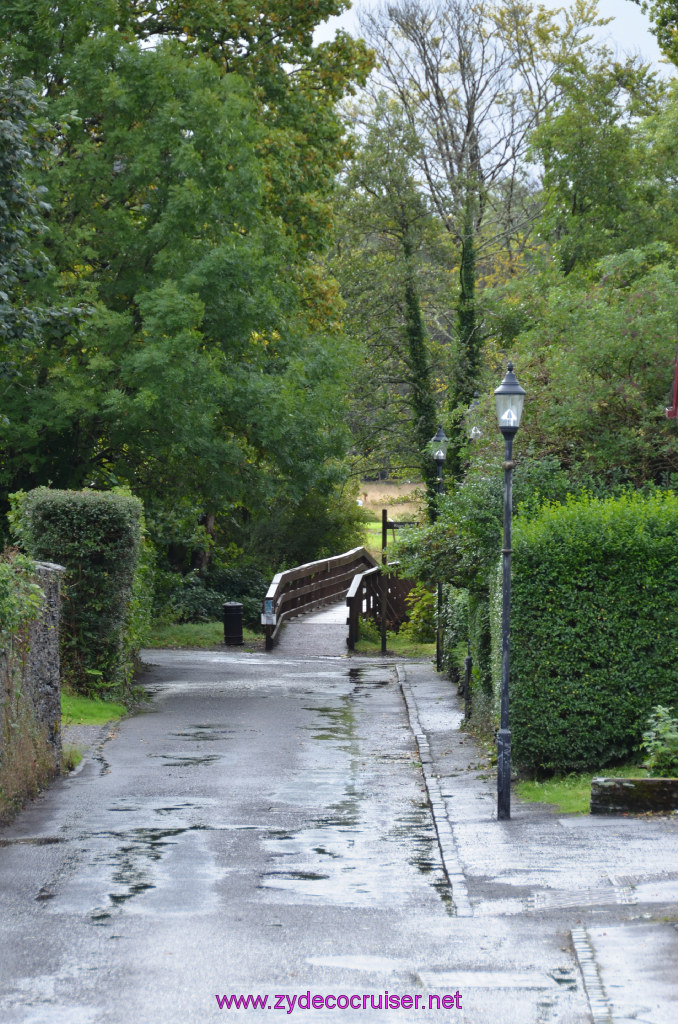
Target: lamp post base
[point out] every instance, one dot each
(504, 774)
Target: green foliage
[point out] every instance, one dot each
(664, 17)
(20, 596)
(660, 740)
(26, 757)
(594, 628)
(196, 597)
(190, 177)
(140, 612)
(422, 610)
(96, 536)
(382, 264)
(455, 628)
(396, 643)
(594, 159)
(462, 546)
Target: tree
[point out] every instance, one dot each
(194, 161)
(381, 265)
(598, 183)
(473, 80)
(24, 315)
(664, 17)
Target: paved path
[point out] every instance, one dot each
(286, 824)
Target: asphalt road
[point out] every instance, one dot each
(264, 829)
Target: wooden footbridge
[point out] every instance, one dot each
(369, 590)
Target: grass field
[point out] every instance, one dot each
(401, 500)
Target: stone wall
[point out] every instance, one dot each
(30, 701)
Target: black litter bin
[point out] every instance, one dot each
(233, 624)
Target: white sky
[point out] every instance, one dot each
(627, 33)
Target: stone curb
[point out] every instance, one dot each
(599, 1005)
(446, 841)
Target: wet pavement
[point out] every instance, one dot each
(277, 825)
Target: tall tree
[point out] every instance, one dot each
(195, 157)
(473, 81)
(599, 181)
(381, 265)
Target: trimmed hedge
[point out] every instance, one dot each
(594, 628)
(96, 535)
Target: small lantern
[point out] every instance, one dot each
(439, 445)
(510, 398)
(475, 432)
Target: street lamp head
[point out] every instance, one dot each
(439, 443)
(475, 432)
(510, 398)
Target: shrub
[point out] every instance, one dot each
(594, 626)
(660, 740)
(455, 629)
(96, 536)
(422, 609)
(194, 598)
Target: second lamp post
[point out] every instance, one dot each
(439, 443)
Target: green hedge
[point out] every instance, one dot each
(594, 628)
(96, 535)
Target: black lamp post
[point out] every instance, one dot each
(509, 397)
(439, 443)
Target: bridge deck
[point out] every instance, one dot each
(319, 634)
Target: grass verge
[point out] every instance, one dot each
(572, 793)
(370, 643)
(196, 634)
(77, 710)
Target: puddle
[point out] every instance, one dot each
(186, 760)
(205, 733)
(134, 864)
(32, 841)
(565, 976)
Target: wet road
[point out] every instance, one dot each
(268, 828)
(262, 829)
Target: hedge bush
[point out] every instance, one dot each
(96, 535)
(594, 628)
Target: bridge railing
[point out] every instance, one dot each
(365, 596)
(309, 586)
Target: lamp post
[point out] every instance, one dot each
(509, 397)
(474, 433)
(439, 443)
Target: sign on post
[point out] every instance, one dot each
(268, 614)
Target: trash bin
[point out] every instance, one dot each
(233, 624)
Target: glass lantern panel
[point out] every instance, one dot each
(509, 409)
